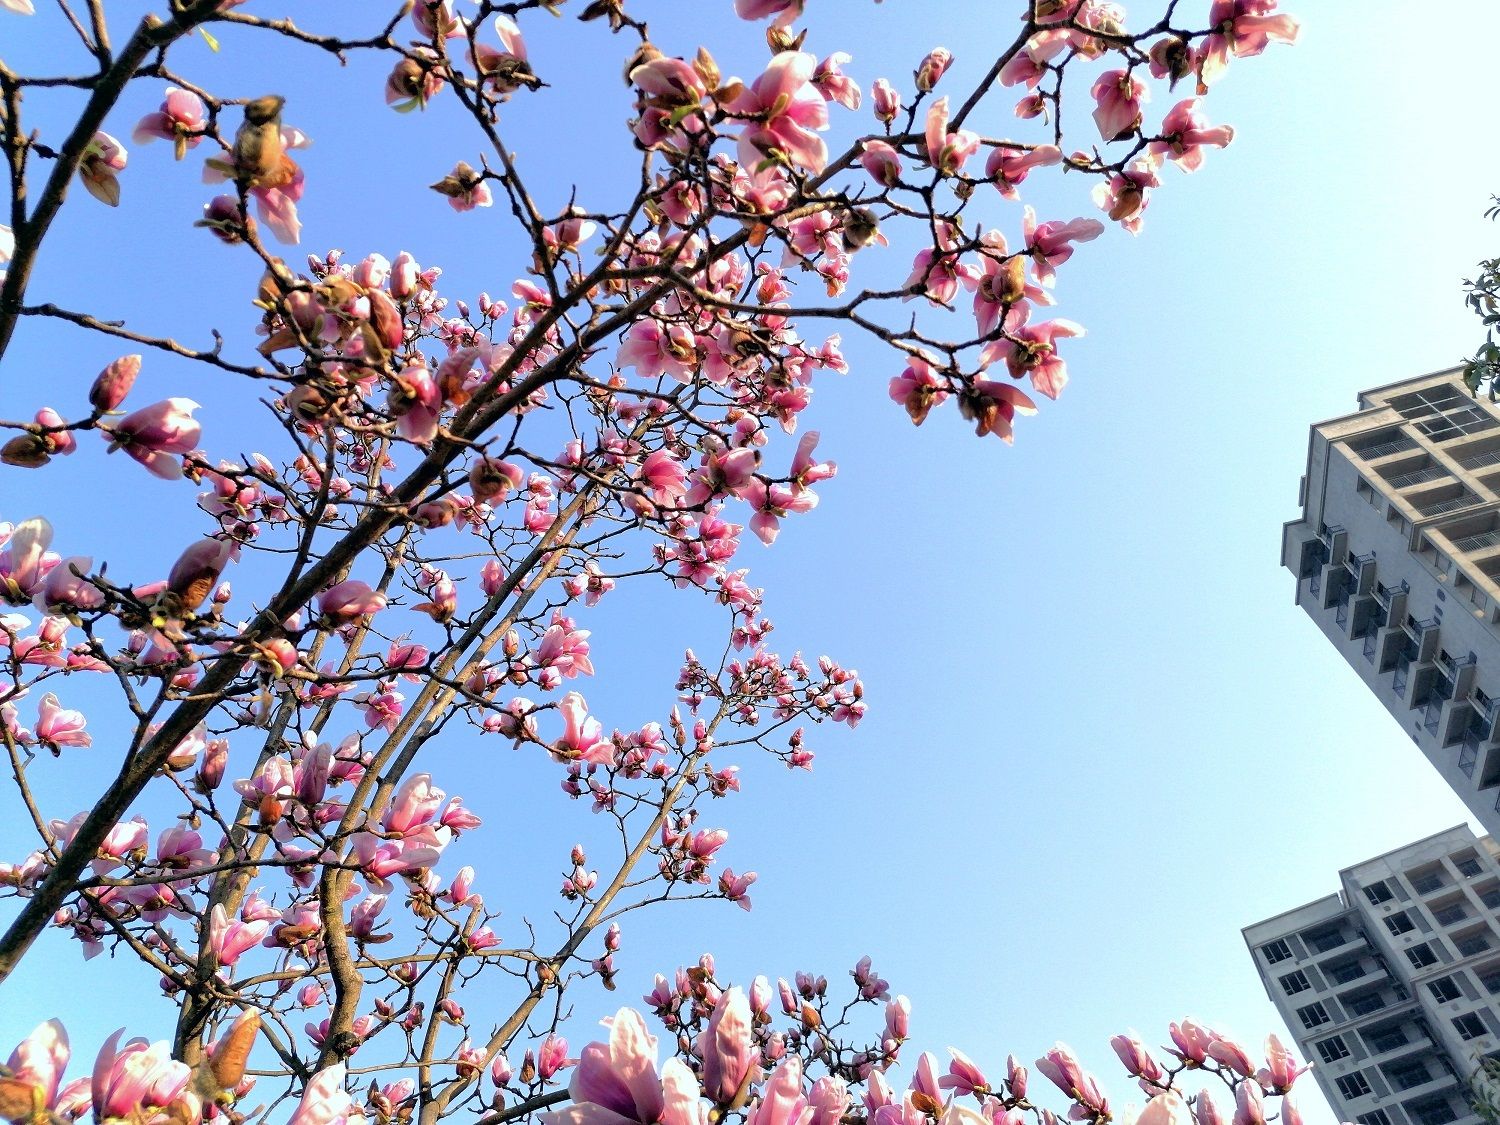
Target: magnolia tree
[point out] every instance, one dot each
(448, 488)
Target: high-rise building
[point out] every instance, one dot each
(1397, 560)
(1391, 986)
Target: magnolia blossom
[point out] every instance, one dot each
(789, 112)
(103, 160)
(157, 436)
(1242, 28)
(1185, 132)
(181, 120)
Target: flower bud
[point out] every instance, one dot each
(114, 383)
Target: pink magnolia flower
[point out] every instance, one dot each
(947, 152)
(993, 406)
(157, 435)
(56, 727)
(789, 112)
(40, 1059)
(736, 887)
(882, 162)
(1031, 349)
(1008, 166)
(1136, 1059)
(1127, 194)
(1192, 1041)
(1164, 1109)
(1185, 133)
(350, 600)
(885, 101)
(1028, 64)
(772, 502)
(25, 562)
(1242, 28)
(137, 1081)
(963, 1077)
(325, 1101)
(7, 238)
(1228, 1053)
(655, 349)
(1051, 244)
(181, 120)
(231, 940)
(918, 389)
(932, 68)
(618, 1083)
(1205, 1112)
(20, 7)
(1119, 95)
(781, 1101)
(552, 1056)
(582, 738)
(1281, 1069)
(103, 160)
(1249, 1104)
(785, 11)
(834, 84)
(728, 1049)
(415, 804)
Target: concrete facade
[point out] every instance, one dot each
(1397, 560)
(1391, 986)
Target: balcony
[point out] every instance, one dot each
(1420, 476)
(1481, 542)
(1453, 504)
(1481, 460)
(1402, 444)
(1401, 672)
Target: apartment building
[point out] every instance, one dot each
(1397, 560)
(1391, 986)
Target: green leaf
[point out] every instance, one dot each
(213, 44)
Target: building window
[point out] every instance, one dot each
(1453, 912)
(1314, 1015)
(1365, 1003)
(1490, 896)
(1435, 1112)
(1294, 983)
(1343, 974)
(1374, 1117)
(1275, 951)
(1469, 866)
(1427, 881)
(1354, 1085)
(1444, 990)
(1366, 493)
(1469, 1026)
(1386, 1039)
(1322, 941)
(1489, 979)
(1421, 956)
(1408, 1075)
(1470, 944)
(1332, 1049)
(1399, 924)
(1378, 893)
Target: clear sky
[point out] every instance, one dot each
(1101, 739)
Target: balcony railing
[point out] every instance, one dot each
(1384, 593)
(1441, 507)
(1386, 448)
(1468, 754)
(1481, 460)
(1398, 678)
(1480, 542)
(1420, 476)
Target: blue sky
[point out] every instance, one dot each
(1100, 739)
